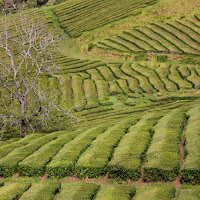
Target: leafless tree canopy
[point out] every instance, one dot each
(26, 52)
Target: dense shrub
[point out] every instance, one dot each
(162, 58)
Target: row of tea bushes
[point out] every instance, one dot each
(163, 157)
(191, 167)
(33, 189)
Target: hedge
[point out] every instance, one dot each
(4, 150)
(191, 167)
(3, 143)
(94, 160)
(13, 190)
(42, 190)
(129, 155)
(175, 76)
(35, 164)
(63, 164)
(77, 190)
(165, 192)
(113, 192)
(90, 92)
(9, 163)
(163, 157)
(189, 193)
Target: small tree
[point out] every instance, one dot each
(26, 52)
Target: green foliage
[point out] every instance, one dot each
(63, 164)
(190, 60)
(76, 17)
(42, 190)
(94, 160)
(113, 192)
(2, 143)
(35, 164)
(140, 57)
(13, 190)
(78, 190)
(31, 3)
(155, 193)
(163, 158)
(9, 163)
(162, 58)
(191, 167)
(5, 149)
(129, 154)
(91, 46)
(189, 193)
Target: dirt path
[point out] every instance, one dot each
(74, 178)
(43, 178)
(15, 176)
(140, 182)
(177, 182)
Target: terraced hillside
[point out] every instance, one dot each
(120, 147)
(79, 16)
(91, 84)
(177, 37)
(139, 132)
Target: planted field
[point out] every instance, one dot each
(191, 166)
(155, 193)
(35, 164)
(78, 190)
(9, 163)
(63, 164)
(92, 88)
(138, 136)
(163, 158)
(77, 17)
(33, 188)
(95, 159)
(129, 154)
(113, 192)
(175, 37)
(42, 190)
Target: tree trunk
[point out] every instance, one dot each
(23, 128)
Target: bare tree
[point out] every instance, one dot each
(26, 52)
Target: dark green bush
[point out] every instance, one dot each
(162, 58)
(155, 174)
(140, 56)
(190, 176)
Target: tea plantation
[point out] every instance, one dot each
(136, 82)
